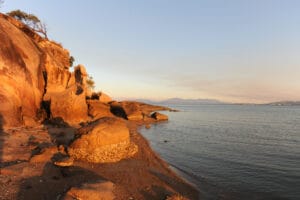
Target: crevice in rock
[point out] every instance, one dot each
(45, 76)
(46, 106)
(68, 81)
(43, 112)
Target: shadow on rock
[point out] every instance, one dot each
(55, 181)
(117, 109)
(156, 192)
(61, 132)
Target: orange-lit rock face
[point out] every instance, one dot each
(98, 109)
(35, 70)
(106, 140)
(159, 117)
(21, 78)
(69, 103)
(104, 98)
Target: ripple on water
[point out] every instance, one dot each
(234, 150)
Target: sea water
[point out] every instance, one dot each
(233, 151)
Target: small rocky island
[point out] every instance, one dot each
(60, 140)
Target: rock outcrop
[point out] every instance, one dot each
(159, 117)
(21, 75)
(105, 140)
(104, 98)
(98, 109)
(136, 111)
(127, 110)
(66, 93)
(35, 75)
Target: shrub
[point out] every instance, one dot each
(71, 60)
(90, 82)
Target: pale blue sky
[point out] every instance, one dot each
(232, 50)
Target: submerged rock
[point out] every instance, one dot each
(105, 140)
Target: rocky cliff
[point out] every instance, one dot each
(35, 78)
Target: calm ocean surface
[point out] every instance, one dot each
(233, 151)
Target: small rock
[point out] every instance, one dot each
(147, 126)
(92, 191)
(65, 162)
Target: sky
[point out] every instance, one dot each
(231, 50)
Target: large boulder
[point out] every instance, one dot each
(98, 109)
(70, 105)
(105, 140)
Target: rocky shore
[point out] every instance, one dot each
(60, 140)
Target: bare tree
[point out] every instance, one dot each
(30, 20)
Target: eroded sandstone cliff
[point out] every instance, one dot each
(35, 78)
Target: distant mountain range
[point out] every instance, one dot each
(182, 101)
(284, 103)
(190, 101)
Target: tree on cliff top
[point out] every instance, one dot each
(30, 20)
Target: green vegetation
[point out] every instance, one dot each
(30, 20)
(71, 60)
(90, 82)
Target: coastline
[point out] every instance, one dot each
(61, 140)
(143, 176)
